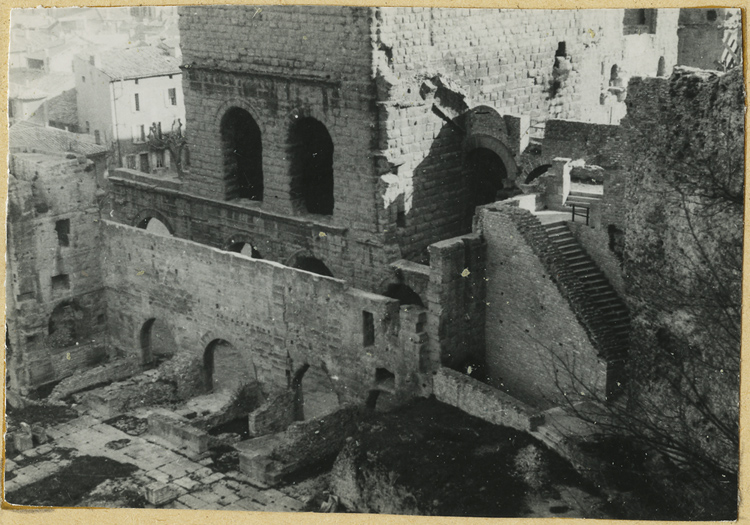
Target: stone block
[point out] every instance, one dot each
(178, 432)
(160, 493)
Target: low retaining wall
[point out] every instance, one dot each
(483, 401)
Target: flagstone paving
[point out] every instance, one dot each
(194, 484)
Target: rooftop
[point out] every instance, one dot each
(137, 62)
(26, 136)
(63, 109)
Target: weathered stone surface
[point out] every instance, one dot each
(483, 401)
(177, 431)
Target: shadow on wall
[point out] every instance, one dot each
(448, 186)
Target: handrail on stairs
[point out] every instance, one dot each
(579, 213)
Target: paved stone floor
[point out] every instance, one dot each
(197, 486)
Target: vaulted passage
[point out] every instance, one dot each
(243, 155)
(311, 170)
(485, 175)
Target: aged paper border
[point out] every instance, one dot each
(75, 516)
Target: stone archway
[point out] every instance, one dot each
(225, 367)
(157, 341)
(153, 222)
(311, 166)
(243, 155)
(244, 245)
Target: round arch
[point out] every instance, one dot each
(241, 103)
(156, 340)
(225, 367)
(241, 243)
(311, 170)
(403, 293)
(661, 68)
(305, 260)
(495, 145)
(242, 151)
(144, 217)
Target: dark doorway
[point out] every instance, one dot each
(661, 69)
(312, 265)
(311, 154)
(485, 172)
(404, 294)
(243, 155)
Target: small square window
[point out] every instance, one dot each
(61, 282)
(136, 83)
(368, 329)
(62, 227)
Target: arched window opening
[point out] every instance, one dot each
(157, 343)
(661, 69)
(243, 155)
(311, 170)
(312, 265)
(155, 226)
(404, 294)
(245, 248)
(66, 326)
(614, 76)
(224, 367)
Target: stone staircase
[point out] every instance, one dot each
(605, 316)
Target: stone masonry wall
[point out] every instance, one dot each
(469, 58)
(281, 63)
(361, 261)
(268, 311)
(45, 272)
(536, 348)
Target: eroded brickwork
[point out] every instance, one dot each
(56, 312)
(267, 311)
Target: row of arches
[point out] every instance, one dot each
(310, 152)
(154, 222)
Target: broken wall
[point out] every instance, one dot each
(433, 65)
(268, 312)
(56, 312)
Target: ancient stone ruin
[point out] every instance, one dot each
(380, 205)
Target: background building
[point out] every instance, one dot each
(121, 94)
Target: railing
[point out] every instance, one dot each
(580, 213)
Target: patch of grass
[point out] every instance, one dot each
(69, 485)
